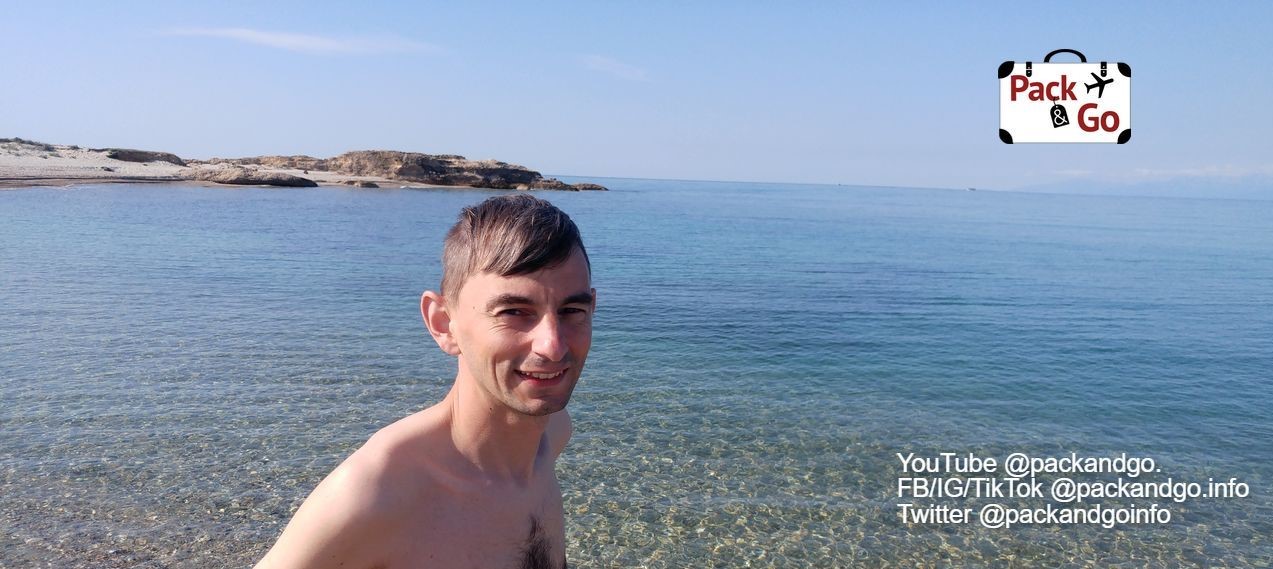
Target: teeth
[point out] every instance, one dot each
(542, 375)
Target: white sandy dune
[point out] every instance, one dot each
(32, 163)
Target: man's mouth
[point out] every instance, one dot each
(541, 376)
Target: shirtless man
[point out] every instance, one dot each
(470, 481)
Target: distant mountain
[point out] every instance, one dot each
(1251, 187)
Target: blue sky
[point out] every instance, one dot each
(801, 92)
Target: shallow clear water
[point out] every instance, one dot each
(181, 365)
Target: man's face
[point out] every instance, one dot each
(523, 339)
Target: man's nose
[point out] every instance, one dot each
(549, 341)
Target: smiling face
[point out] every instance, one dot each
(523, 339)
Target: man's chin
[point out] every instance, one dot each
(541, 408)
(541, 398)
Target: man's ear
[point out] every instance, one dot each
(436, 317)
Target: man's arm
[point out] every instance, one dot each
(559, 431)
(340, 523)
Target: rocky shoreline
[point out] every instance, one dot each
(27, 163)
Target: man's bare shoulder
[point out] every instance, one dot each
(397, 462)
(347, 519)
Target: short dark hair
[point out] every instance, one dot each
(507, 235)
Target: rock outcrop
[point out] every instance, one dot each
(436, 169)
(130, 155)
(445, 170)
(250, 177)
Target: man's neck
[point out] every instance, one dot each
(500, 443)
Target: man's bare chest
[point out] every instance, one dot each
(501, 530)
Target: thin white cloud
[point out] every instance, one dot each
(1075, 173)
(1220, 171)
(614, 67)
(1140, 175)
(308, 43)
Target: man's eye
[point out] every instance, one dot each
(573, 311)
(512, 312)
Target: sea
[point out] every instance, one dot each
(781, 375)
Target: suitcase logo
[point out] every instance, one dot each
(1065, 102)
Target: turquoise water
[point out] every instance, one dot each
(181, 365)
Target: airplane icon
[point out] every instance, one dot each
(1099, 83)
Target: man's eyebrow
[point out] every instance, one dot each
(579, 298)
(505, 300)
(513, 299)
